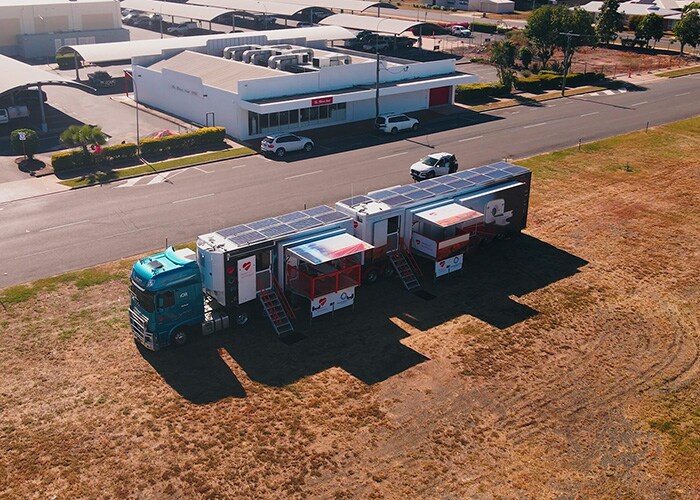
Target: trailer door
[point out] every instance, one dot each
(247, 289)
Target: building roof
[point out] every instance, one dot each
(376, 24)
(631, 9)
(264, 7)
(16, 74)
(182, 10)
(97, 53)
(215, 71)
(353, 5)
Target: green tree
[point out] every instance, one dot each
(543, 31)
(503, 56)
(687, 30)
(579, 24)
(633, 23)
(651, 26)
(77, 136)
(610, 21)
(525, 56)
(29, 146)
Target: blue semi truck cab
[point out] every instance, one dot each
(168, 304)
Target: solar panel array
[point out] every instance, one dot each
(472, 179)
(274, 227)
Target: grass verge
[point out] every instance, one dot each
(680, 72)
(537, 98)
(185, 161)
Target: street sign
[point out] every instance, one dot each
(22, 136)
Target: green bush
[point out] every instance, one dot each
(476, 91)
(29, 146)
(71, 160)
(174, 144)
(66, 61)
(483, 27)
(548, 80)
(119, 152)
(529, 84)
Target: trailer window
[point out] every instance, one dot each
(145, 299)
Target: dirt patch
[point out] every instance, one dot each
(562, 363)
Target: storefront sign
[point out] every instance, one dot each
(448, 265)
(332, 302)
(345, 298)
(321, 101)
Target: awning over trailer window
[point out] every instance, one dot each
(450, 215)
(327, 249)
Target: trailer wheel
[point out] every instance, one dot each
(180, 337)
(371, 276)
(240, 318)
(388, 271)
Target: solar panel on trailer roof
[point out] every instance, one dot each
(397, 200)
(483, 170)
(323, 209)
(499, 174)
(275, 231)
(515, 170)
(263, 223)
(232, 231)
(420, 194)
(355, 200)
(440, 188)
(290, 217)
(408, 188)
(331, 217)
(467, 174)
(459, 183)
(382, 195)
(305, 223)
(426, 183)
(480, 179)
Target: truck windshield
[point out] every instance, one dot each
(145, 299)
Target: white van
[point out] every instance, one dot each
(393, 122)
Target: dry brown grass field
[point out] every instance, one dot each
(561, 364)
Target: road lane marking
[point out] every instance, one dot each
(161, 178)
(303, 175)
(609, 92)
(514, 112)
(470, 138)
(203, 171)
(684, 93)
(129, 182)
(194, 198)
(64, 225)
(391, 156)
(640, 103)
(237, 166)
(590, 114)
(535, 125)
(622, 91)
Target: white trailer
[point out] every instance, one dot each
(439, 219)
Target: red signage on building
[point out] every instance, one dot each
(321, 101)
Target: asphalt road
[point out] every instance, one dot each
(56, 233)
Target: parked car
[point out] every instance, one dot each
(281, 144)
(305, 24)
(434, 165)
(376, 46)
(182, 28)
(101, 79)
(392, 123)
(461, 31)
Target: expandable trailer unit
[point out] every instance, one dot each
(438, 219)
(318, 257)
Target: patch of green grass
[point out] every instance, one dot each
(81, 279)
(680, 72)
(185, 161)
(537, 98)
(66, 334)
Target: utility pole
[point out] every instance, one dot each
(566, 58)
(376, 94)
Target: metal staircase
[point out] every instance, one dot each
(276, 312)
(406, 272)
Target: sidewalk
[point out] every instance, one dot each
(30, 188)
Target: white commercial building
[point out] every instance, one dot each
(254, 90)
(37, 28)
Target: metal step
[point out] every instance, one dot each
(404, 270)
(275, 312)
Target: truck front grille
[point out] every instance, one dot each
(139, 328)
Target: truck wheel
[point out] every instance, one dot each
(280, 152)
(388, 271)
(180, 337)
(240, 318)
(371, 276)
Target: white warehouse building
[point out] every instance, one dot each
(254, 90)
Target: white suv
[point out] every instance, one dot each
(392, 123)
(434, 165)
(281, 144)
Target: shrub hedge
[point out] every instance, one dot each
(483, 27)
(550, 81)
(174, 144)
(475, 91)
(164, 146)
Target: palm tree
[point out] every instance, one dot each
(77, 136)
